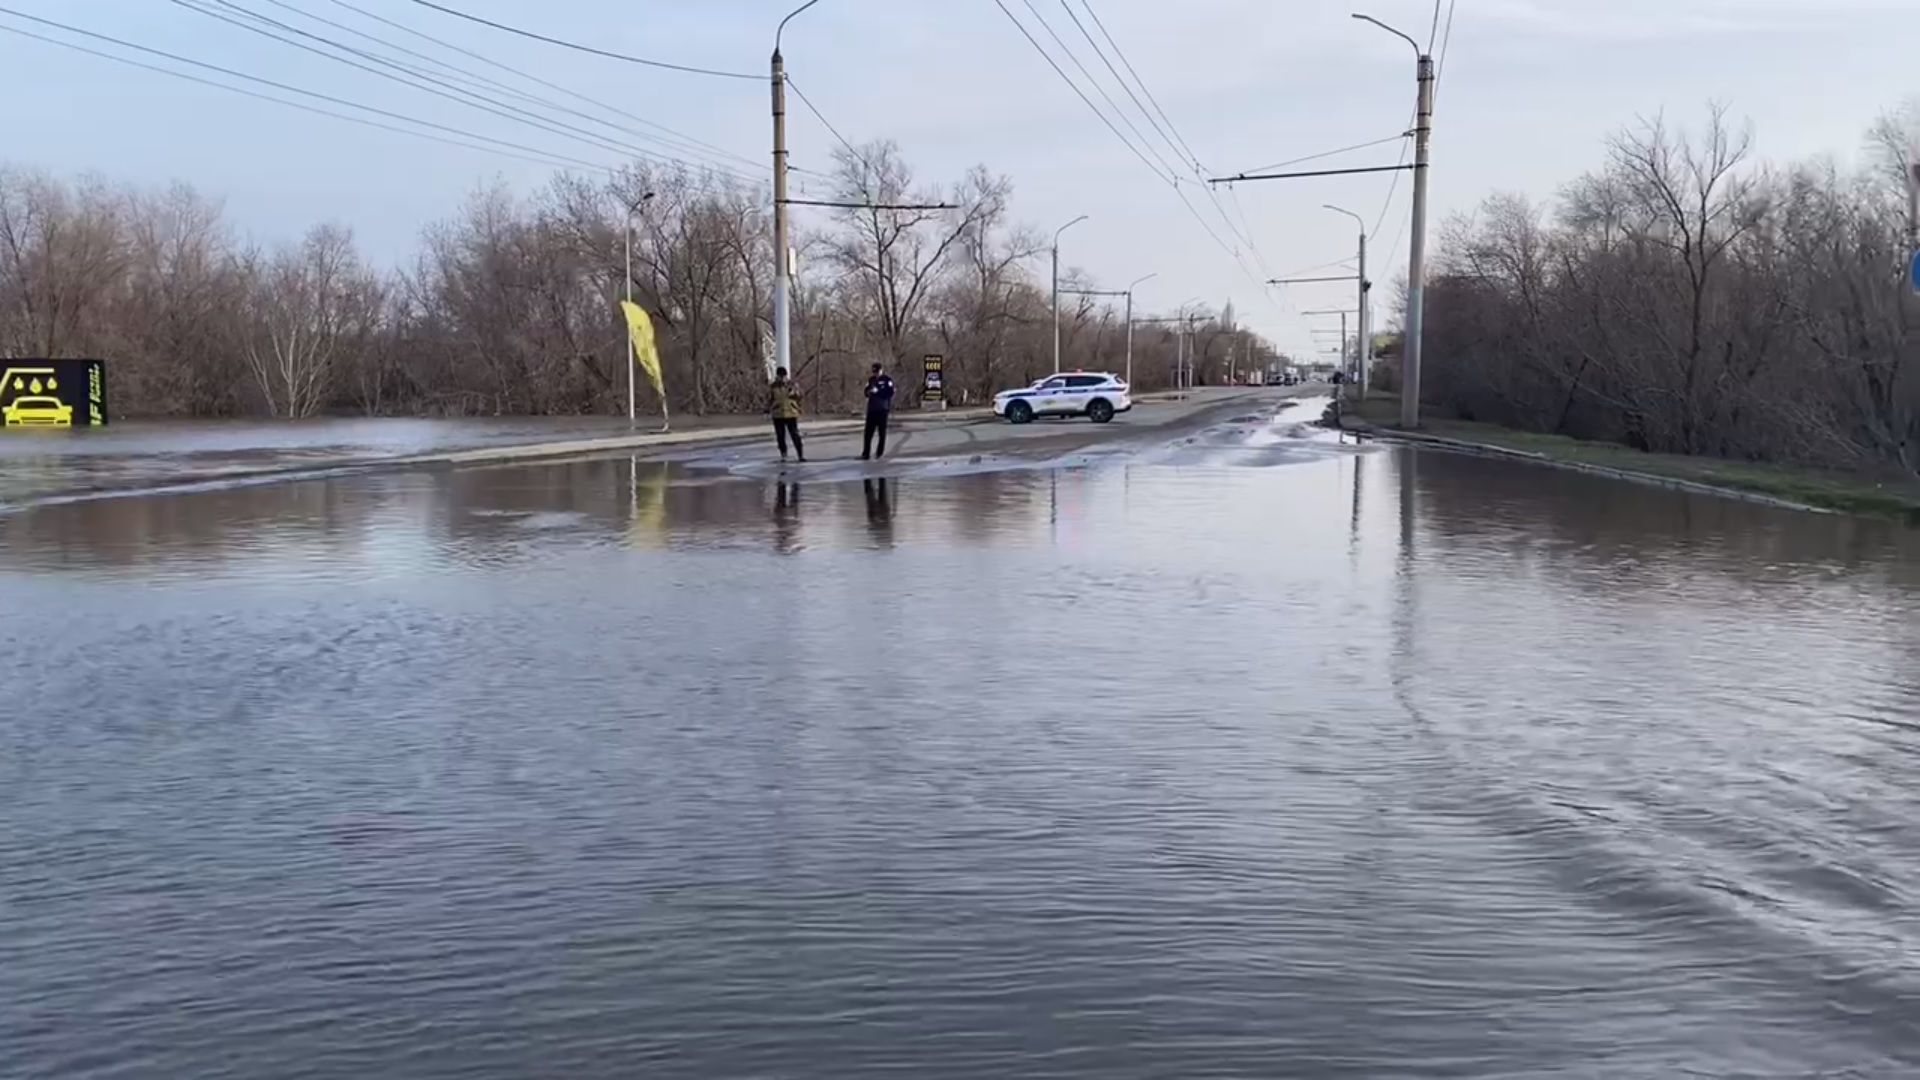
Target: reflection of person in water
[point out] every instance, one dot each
(879, 509)
(786, 516)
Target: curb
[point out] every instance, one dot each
(1696, 487)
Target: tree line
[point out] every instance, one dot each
(1686, 297)
(509, 307)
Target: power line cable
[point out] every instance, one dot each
(533, 155)
(577, 47)
(1101, 90)
(1124, 62)
(1111, 70)
(303, 92)
(1075, 87)
(1327, 154)
(670, 138)
(1176, 143)
(423, 35)
(446, 90)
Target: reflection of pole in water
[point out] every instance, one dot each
(786, 516)
(1409, 459)
(879, 509)
(1353, 525)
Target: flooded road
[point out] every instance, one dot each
(1248, 754)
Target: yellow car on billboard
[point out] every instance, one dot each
(38, 412)
(32, 405)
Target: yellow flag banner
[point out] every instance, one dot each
(645, 352)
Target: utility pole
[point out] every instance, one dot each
(633, 209)
(1056, 288)
(1365, 286)
(1126, 292)
(782, 255)
(1417, 259)
(1417, 246)
(1343, 313)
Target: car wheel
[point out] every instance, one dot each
(1100, 411)
(1019, 412)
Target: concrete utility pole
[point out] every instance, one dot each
(1366, 328)
(1417, 247)
(782, 253)
(1056, 288)
(1913, 202)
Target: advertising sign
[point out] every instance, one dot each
(933, 389)
(53, 393)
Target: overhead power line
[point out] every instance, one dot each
(423, 80)
(530, 154)
(1172, 180)
(589, 49)
(676, 141)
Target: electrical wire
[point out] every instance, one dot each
(1131, 126)
(1232, 253)
(533, 155)
(820, 116)
(1124, 62)
(673, 140)
(577, 47)
(1176, 142)
(1328, 153)
(439, 88)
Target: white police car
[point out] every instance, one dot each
(1098, 396)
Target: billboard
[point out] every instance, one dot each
(53, 393)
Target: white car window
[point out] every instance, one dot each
(1053, 384)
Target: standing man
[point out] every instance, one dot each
(783, 403)
(879, 409)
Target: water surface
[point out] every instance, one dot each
(1254, 756)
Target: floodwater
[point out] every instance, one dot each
(1253, 756)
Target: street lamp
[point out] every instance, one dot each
(782, 257)
(1417, 254)
(1366, 334)
(633, 210)
(1056, 288)
(1130, 289)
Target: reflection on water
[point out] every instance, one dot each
(1386, 764)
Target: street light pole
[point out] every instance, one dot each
(633, 208)
(1130, 289)
(1056, 288)
(782, 256)
(1366, 330)
(1417, 246)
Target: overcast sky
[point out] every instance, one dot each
(1529, 90)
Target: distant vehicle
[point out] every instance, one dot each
(1098, 396)
(38, 412)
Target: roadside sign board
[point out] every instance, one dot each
(53, 393)
(933, 387)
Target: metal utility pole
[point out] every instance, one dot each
(782, 254)
(1126, 292)
(1056, 288)
(633, 209)
(1366, 328)
(1343, 313)
(1130, 288)
(1417, 247)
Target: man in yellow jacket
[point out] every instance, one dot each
(783, 404)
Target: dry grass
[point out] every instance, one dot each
(1854, 493)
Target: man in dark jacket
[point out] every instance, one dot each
(879, 409)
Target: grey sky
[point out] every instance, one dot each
(1529, 90)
